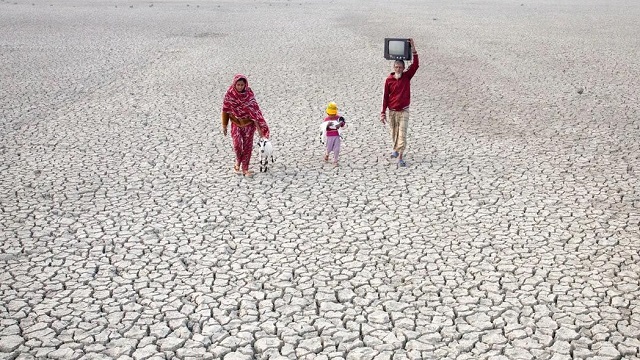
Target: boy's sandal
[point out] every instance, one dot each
(401, 163)
(236, 169)
(248, 173)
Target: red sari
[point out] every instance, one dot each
(244, 106)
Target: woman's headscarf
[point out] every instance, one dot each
(244, 105)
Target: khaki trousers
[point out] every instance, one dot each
(398, 124)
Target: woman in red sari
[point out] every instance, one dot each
(240, 107)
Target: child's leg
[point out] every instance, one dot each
(336, 149)
(327, 148)
(331, 143)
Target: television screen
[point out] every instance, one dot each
(397, 49)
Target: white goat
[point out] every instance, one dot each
(326, 125)
(266, 153)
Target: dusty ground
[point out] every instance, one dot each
(512, 234)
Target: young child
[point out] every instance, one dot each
(332, 125)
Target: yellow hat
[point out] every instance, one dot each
(332, 108)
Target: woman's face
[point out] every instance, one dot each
(240, 85)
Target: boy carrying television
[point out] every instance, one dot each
(331, 129)
(397, 98)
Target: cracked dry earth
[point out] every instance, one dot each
(512, 234)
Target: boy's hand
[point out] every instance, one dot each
(224, 131)
(383, 118)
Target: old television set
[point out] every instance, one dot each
(397, 49)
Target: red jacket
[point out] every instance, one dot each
(397, 93)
